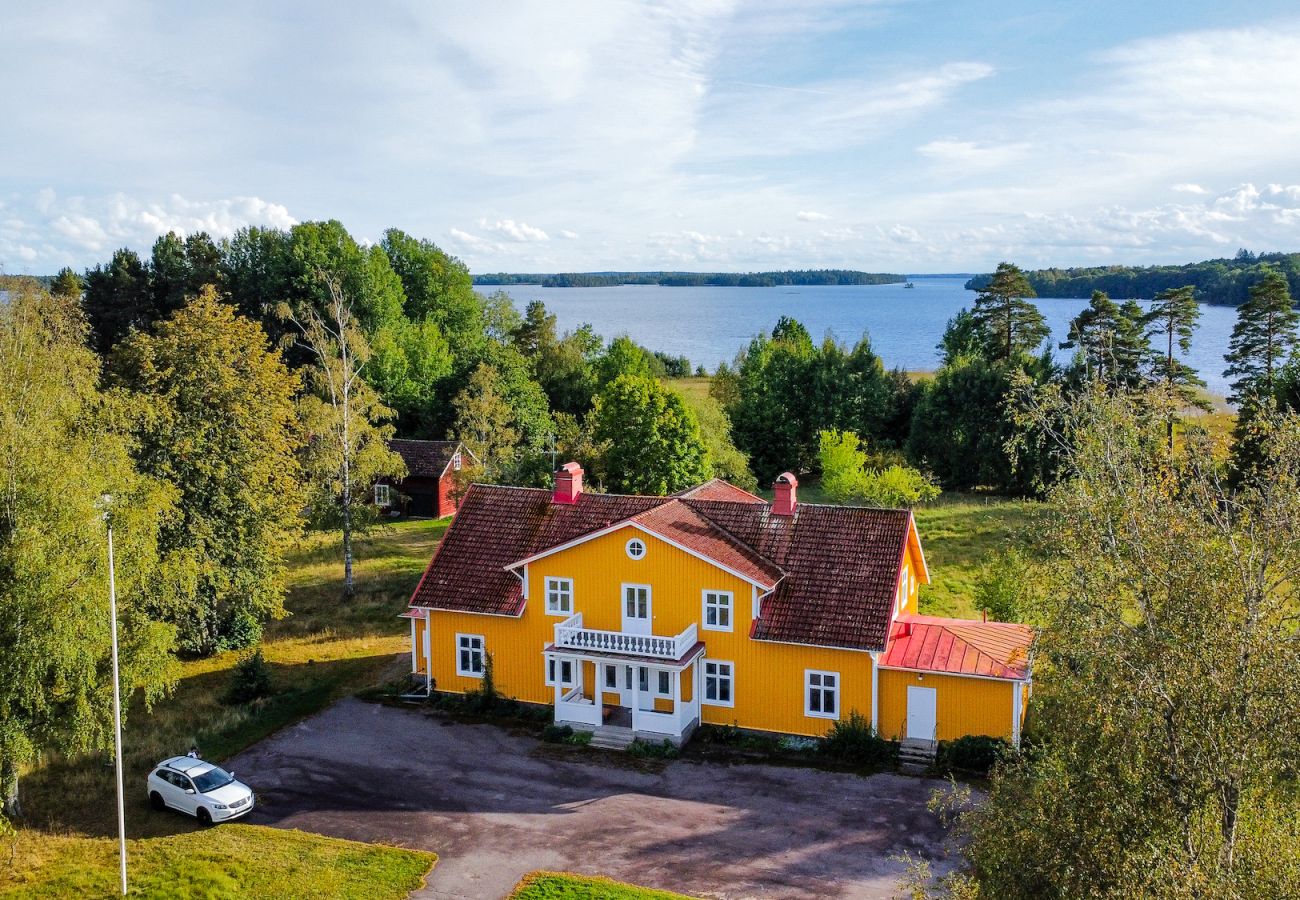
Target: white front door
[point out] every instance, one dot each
(636, 608)
(922, 712)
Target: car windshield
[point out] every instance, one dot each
(212, 779)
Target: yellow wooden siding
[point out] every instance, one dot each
(768, 678)
(964, 705)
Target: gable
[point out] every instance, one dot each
(692, 538)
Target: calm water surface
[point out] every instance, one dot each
(709, 324)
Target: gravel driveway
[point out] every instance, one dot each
(494, 805)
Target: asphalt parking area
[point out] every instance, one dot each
(494, 805)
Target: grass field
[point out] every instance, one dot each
(559, 886)
(224, 863)
(323, 650)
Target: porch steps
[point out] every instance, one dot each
(611, 737)
(916, 756)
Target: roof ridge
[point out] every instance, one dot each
(731, 536)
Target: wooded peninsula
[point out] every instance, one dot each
(1224, 282)
(694, 279)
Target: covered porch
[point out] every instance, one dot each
(626, 697)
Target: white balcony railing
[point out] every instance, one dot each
(571, 635)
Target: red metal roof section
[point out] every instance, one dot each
(835, 568)
(959, 647)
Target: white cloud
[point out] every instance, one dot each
(810, 216)
(75, 230)
(568, 235)
(1187, 187)
(514, 231)
(972, 154)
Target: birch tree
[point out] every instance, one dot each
(344, 419)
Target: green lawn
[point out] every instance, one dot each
(560, 886)
(324, 649)
(230, 861)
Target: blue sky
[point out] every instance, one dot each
(909, 135)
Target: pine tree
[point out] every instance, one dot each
(1131, 349)
(1011, 324)
(1171, 321)
(1263, 337)
(1092, 333)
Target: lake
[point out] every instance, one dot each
(709, 324)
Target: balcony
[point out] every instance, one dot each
(570, 635)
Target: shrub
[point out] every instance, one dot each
(647, 750)
(579, 738)
(854, 741)
(977, 753)
(251, 679)
(557, 734)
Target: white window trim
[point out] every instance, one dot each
(807, 688)
(704, 679)
(649, 600)
(546, 595)
(482, 649)
(558, 661)
(455, 463)
(387, 495)
(730, 607)
(645, 548)
(652, 676)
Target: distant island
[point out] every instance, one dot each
(1225, 282)
(694, 279)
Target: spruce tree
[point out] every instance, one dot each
(1011, 324)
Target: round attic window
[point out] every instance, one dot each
(636, 548)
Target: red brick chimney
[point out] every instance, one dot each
(783, 503)
(568, 484)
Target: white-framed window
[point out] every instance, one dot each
(611, 678)
(471, 659)
(383, 495)
(561, 668)
(662, 683)
(821, 694)
(455, 463)
(559, 596)
(718, 683)
(718, 608)
(636, 548)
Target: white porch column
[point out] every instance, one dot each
(428, 654)
(636, 695)
(677, 699)
(559, 690)
(875, 692)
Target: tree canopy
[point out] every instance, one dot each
(655, 445)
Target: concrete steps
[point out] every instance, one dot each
(610, 737)
(915, 756)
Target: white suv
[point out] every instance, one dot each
(207, 792)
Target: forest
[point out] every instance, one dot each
(1220, 281)
(216, 400)
(694, 279)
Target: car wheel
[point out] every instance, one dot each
(156, 801)
(205, 817)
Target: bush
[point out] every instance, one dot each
(557, 734)
(647, 750)
(976, 753)
(855, 742)
(251, 679)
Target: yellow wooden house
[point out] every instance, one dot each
(650, 615)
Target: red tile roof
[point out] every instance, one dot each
(835, 569)
(717, 489)
(424, 459)
(959, 647)
(676, 521)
